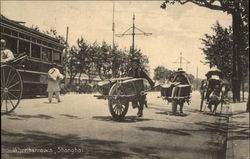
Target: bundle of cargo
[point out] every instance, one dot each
(132, 86)
(181, 90)
(166, 89)
(104, 86)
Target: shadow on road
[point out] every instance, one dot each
(70, 116)
(164, 130)
(171, 114)
(40, 144)
(127, 119)
(22, 116)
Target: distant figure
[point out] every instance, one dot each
(6, 54)
(54, 79)
(137, 72)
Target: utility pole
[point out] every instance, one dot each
(133, 34)
(197, 81)
(182, 60)
(66, 56)
(113, 24)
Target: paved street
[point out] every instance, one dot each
(81, 127)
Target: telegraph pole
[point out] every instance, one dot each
(113, 24)
(181, 59)
(66, 56)
(197, 81)
(133, 34)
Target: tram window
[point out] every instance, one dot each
(56, 57)
(11, 43)
(24, 47)
(27, 37)
(33, 39)
(14, 33)
(22, 36)
(7, 31)
(35, 51)
(46, 54)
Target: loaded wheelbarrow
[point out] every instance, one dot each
(119, 92)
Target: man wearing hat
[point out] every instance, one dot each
(6, 54)
(137, 72)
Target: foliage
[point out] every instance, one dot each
(161, 74)
(218, 49)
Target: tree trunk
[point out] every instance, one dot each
(80, 78)
(237, 71)
(243, 89)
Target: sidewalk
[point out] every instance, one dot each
(238, 145)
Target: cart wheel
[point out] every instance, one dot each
(117, 107)
(11, 89)
(174, 106)
(202, 100)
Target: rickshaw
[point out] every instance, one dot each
(177, 92)
(208, 86)
(26, 75)
(119, 92)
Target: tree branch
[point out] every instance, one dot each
(204, 3)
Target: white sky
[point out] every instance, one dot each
(174, 30)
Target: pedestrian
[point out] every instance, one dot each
(54, 79)
(6, 54)
(137, 72)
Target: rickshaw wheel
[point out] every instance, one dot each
(117, 107)
(174, 106)
(202, 100)
(11, 89)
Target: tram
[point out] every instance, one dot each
(35, 53)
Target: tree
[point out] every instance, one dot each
(239, 9)
(83, 57)
(161, 74)
(218, 49)
(72, 63)
(143, 60)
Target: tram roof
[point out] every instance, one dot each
(19, 25)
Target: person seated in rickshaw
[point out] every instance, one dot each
(137, 72)
(214, 78)
(6, 54)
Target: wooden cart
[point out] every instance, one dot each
(119, 92)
